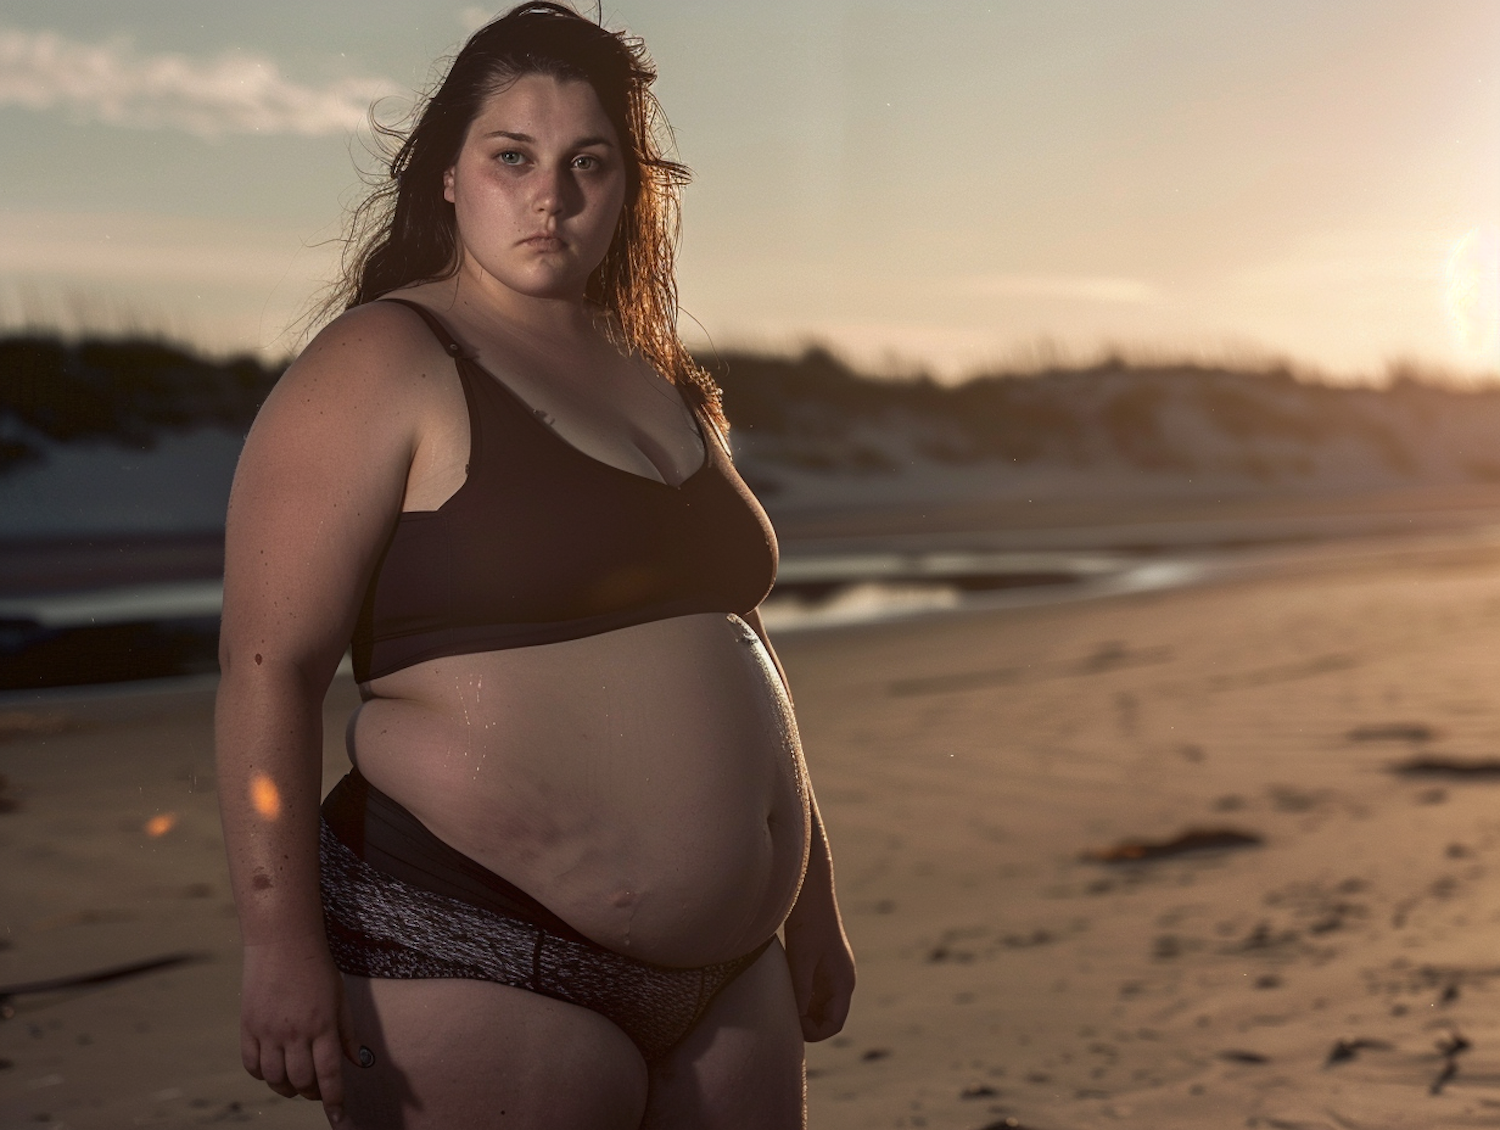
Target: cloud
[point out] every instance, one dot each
(1077, 288)
(234, 93)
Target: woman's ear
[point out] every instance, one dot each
(448, 184)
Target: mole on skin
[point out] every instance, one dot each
(261, 881)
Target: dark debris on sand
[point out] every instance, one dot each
(1192, 840)
(1450, 768)
(1450, 1049)
(1236, 1055)
(1393, 732)
(97, 976)
(1345, 1050)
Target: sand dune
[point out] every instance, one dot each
(1344, 972)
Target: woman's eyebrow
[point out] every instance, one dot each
(581, 143)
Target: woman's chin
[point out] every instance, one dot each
(536, 279)
(544, 286)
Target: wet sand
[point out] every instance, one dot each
(1344, 972)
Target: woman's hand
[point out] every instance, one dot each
(295, 1023)
(820, 961)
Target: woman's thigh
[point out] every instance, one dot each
(742, 1065)
(451, 1053)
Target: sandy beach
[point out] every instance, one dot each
(1337, 964)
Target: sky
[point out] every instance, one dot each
(940, 185)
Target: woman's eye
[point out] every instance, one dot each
(586, 162)
(511, 157)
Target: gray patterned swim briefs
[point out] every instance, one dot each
(379, 925)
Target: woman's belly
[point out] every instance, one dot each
(645, 784)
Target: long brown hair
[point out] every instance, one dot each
(403, 232)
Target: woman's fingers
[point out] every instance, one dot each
(295, 1069)
(273, 1069)
(821, 993)
(327, 1061)
(816, 1022)
(301, 1072)
(250, 1053)
(827, 1004)
(840, 994)
(810, 999)
(809, 1007)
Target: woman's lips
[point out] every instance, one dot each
(543, 243)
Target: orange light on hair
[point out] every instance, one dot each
(265, 796)
(161, 824)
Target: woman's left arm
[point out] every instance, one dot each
(817, 949)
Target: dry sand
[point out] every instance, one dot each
(964, 766)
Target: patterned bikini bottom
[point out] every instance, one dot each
(398, 902)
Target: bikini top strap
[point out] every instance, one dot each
(435, 324)
(461, 362)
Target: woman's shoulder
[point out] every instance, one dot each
(375, 370)
(377, 335)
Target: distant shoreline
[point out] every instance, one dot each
(43, 565)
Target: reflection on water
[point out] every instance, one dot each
(836, 590)
(160, 630)
(113, 635)
(178, 600)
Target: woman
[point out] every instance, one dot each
(549, 890)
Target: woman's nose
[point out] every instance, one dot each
(551, 191)
(547, 193)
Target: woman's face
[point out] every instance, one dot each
(537, 187)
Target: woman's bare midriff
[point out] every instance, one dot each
(645, 784)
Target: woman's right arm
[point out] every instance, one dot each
(319, 484)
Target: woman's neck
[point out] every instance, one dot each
(480, 297)
(489, 315)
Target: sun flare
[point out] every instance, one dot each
(265, 796)
(161, 824)
(1473, 292)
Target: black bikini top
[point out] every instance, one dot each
(544, 543)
